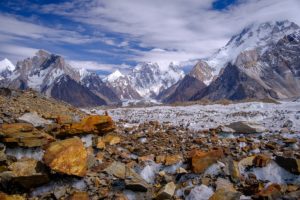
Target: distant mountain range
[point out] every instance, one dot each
(263, 61)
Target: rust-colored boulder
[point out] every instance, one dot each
(173, 159)
(202, 160)
(67, 156)
(93, 124)
(24, 135)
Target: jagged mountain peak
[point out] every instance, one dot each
(259, 34)
(43, 53)
(114, 76)
(6, 64)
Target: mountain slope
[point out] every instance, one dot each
(68, 90)
(50, 74)
(268, 71)
(186, 88)
(258, 36)
(94, 83)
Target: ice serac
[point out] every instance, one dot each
(51, 75)
(261, 62)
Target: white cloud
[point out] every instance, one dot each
(14, 52)
(184, 29)
(92, 65)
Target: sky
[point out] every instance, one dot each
(105, 35)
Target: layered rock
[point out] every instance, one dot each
(93, 124)
(25, 173)
(24, 135)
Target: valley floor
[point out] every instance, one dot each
(201, 117)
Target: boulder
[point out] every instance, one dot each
(173, 159)
(166, 192)
(27, 173)
(24, 135)
(290, 164)
(107, 140)
(270, 192)
(246, 127)
(134, 181)
(116, 169)
(202, 160)
(93, 124)
(261, 160)
(223, 194)
(67, 156)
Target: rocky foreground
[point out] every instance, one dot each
(50, 150)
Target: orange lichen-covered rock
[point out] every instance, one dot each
(93, 124)
(202, 160)
(67, 156)
(24, 134)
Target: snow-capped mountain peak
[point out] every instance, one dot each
(83, 73)
(256, 36)
(114, 76)
(6, 64)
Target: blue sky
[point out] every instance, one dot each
(106, 35)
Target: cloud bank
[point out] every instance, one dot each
(158, 31)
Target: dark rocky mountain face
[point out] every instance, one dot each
(185, 89)
(68, 90)
(94, 83)
(233, 84)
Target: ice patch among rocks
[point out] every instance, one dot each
(201, 192)
(18, 152)
(34, 119)
(275, 174)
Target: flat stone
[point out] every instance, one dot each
(24, 135)
(93, 124)
(26, 172)
(246, 127)
(290, 164)
(134, 181)
(166, 192)
(116, 169)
